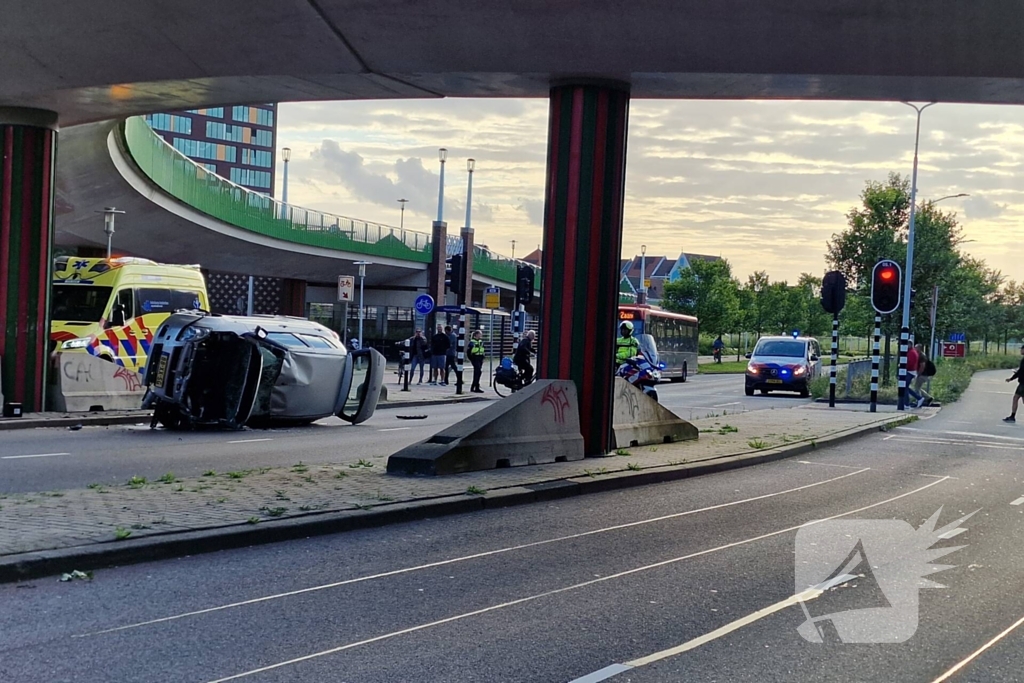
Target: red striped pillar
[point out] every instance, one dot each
(582, 243)
(28, 142)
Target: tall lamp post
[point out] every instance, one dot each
(109, 214)
(470, 167)
(909, 270)
(286, 156)
(362, 276)
(643, 274)
(513, 250)
(935, 292)
(403, 202)
(442, 155)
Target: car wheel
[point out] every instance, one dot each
(749, 391)
(805, 393)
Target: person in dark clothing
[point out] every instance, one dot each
(439, 344)
(476, 357)
(1019, 376)
(524, 352)
(418, 354)
(450, 354)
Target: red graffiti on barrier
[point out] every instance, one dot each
(131, 379)
(559, 400)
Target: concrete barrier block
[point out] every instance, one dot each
(84, 383)
(538, 424)
(639, 420)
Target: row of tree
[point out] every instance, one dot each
(973, 298)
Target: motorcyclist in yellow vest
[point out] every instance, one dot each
(476, 357)
(626, 346)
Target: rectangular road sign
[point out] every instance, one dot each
(958, 337)
(346, 287)
(954, 350)
(492, 298)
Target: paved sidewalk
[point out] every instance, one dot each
(102, 516)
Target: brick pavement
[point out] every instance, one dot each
(103, 514)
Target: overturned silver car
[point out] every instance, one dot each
(261, 371)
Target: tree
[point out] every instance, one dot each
(706, 290)
(756, 302)
(816, 320)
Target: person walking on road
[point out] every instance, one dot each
(476, 357)
(439, 344)
(450, 354)
(925, 372)
(418, 353)
(912, 359)
(716, 348)
(1019, 376)
(524, 352)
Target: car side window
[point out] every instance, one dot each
(123, 308)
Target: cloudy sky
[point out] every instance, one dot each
(764, 184)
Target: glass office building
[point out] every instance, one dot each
(236, 142)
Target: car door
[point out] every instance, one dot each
(360, 385)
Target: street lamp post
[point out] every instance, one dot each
(643, 274)
(286, 156)
(442, 155)
(909, 270)
(109, 214)
(513, 250)
(470, 167)
(403, 202)
(935, 292)
(362, 276)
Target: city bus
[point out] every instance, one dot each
(675, 336)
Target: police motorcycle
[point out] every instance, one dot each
(643, 370)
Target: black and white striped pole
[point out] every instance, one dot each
(901, 402)
(835, 358)
(461, 354)
(874, 361)
(405, 361)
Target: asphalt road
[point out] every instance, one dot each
(47, 459)
(686, 581)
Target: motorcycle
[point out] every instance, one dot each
(643, 370)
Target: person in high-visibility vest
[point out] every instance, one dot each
(626, 346)
(476, 357)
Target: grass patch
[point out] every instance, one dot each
(253, 520)
(595, 473)
(757, 444)
(729, 367)
(728, 429)
(310, 508)
(300, 468)
(120, 533)
(475, 491)
(635, 466)
(340, 475)
(621, 451)
(273, 512)
(240, 474)
(168, 478)
(137, 482)
(361, 463)
(210, 473)
(95, 486)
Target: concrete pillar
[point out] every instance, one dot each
(582, 242)
(467, 285)
(28, 153)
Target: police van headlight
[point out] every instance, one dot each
(79, 343)
(193, 333)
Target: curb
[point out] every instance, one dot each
(43, 563)
(431, 402)
(84, 420)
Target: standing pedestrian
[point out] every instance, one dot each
(912, 358)
(418, 353)
(439, 344)
(925, 372)
(1019, 376)
(449, 356)
(476, 357)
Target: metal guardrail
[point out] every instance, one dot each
(204, 191)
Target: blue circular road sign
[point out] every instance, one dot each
(424, 304)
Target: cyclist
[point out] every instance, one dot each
(524, 352)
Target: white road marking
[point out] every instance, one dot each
(974, 655)
(722, 405)
(36, 455)
(394, 429)
(955, 433)
(557, 591)
(888, 437)
(442, 563)
(953, 532)
(603, 675)
(1018, 501)
(832, 464)
(250, 440)
(950, 442)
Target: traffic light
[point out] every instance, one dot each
(833, 292)
(454, 273)
(885, 286)
(524, 283)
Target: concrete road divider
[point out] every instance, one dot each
(639, 420)
(83, 383)
(538, 424)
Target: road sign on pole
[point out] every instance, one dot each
(954, 350)
(346, 287)
(958, 337)
(492, 298)
(424, 304)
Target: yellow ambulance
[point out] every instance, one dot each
(111, 308)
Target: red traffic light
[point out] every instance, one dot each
(887, 274)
